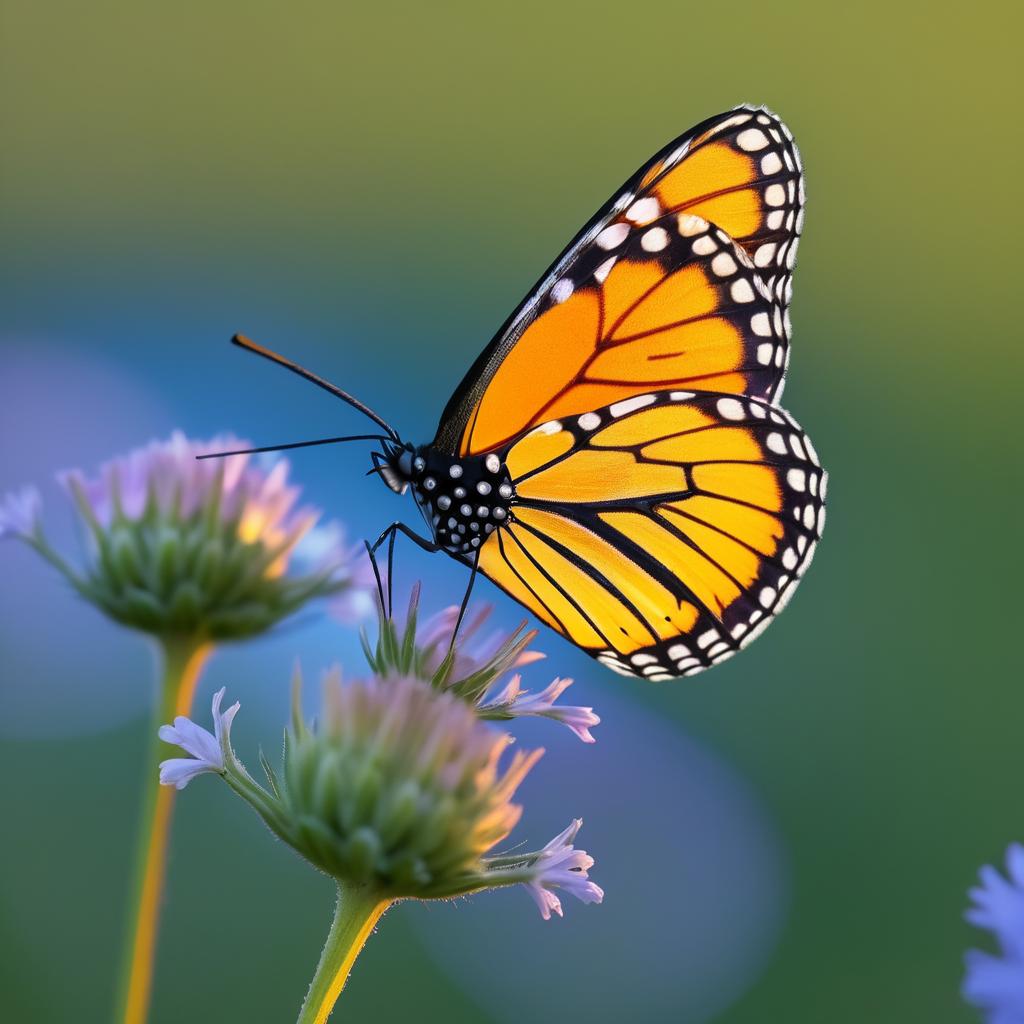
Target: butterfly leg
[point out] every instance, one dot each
(465, 602)
(389, 535)
(376, 574)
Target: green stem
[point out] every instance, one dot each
(357, 913)
(182, 660)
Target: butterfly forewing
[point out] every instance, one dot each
(663, 532)
(670, 303)
(739, 171)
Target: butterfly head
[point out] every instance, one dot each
(394, 465)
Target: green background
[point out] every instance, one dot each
(372, 188)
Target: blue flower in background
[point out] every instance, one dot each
(995, 984)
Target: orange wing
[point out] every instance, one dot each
(662, 533)
(649, 295)
(673, 303)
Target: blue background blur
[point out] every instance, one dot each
(371, 189)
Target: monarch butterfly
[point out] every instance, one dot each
(615, 459)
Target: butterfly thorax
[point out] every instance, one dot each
(463, 498)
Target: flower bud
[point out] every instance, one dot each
(473, 669)
(399, 786)
(199, 548)
(400, 790)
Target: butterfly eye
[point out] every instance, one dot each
(394, 468)
(393, 480)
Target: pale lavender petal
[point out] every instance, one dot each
(560, 866)
(19, 512)
(513, 700)
(547, 902)
(193, 739)
(994, 984)
(997, 983)
(180, 771)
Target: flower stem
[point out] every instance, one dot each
(357, 913)
(182, 661)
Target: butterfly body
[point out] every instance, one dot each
(616, 459)
(462, 498)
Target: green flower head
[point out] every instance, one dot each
(399, 788)
(210, 549)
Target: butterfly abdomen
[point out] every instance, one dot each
(463, 498)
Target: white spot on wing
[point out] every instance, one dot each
(562, 290)
(643, 211)
(551, 427)
(690, 225)
(628, 405)
(612, 236)
(730, 409)
(751, 140)
(741, 290)
(723, 265)
(604, 270)
(654, 240)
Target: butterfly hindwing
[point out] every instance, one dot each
(740, 172)
(661, 533)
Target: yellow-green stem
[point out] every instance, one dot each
(355, 916)
(182, 661)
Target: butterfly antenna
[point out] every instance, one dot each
(294, 444)
(247, 343)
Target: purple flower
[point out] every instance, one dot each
(216, 549)
(19, 513)
(995, 984)
(206, 749)
(560, 866)
(514, 701)
(472, 653)
(475, 666)
(166, 480)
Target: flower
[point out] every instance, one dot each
(560, 866)
(399, 789)
(996, 983)
(207, 749)
(400, 786)
(195, 547)
(472, 668)
(514, 701)
(19, 513)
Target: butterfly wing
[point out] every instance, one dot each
(639, 300)
(663, 533)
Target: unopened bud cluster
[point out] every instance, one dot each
(178, 545)
(399, 786)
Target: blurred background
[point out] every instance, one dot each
(371, 189)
